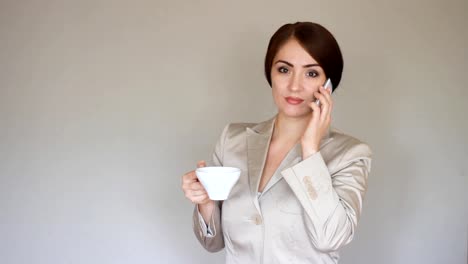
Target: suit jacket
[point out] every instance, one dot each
(306, 212)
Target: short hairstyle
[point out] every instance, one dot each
(316, 40)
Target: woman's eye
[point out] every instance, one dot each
(312, 74)
(283, 70)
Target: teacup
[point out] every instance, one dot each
(218, 181)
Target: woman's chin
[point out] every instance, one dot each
(295, 113)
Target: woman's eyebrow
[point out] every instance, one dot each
(310, 65)
(304, 66)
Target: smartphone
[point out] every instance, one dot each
(327, 85)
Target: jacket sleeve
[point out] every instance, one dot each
(210, 235)
(332, 203)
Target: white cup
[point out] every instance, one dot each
(218, 181)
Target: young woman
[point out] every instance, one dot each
(302, 183)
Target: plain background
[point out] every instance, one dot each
(104, 105)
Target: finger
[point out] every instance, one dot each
(324, 101)
(325, 107)
(189, 177)
(200, 199)
(325, 111)
(196, 186)
(315, 113)
(190, 194)
(194, 198)
(201, 164)
(197, 192)
(205, 200)
(327, 93)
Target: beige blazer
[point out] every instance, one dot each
(307, 211)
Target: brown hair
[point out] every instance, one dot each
(316, 40)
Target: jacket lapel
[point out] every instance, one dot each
(293, 157)
(258, 142)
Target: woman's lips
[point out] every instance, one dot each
(294, 100)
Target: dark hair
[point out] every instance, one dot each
(316, 40)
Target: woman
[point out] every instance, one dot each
(302, 184)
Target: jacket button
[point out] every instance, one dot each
(257, 220)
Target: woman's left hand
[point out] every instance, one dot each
(318, 124)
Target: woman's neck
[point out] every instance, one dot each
(289, 130)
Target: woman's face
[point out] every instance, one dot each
(295, 76)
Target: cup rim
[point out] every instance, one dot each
(221, 169)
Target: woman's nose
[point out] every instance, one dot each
(295, 83)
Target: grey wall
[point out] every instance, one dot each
(105, 104)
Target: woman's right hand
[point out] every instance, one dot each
(196, 193)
